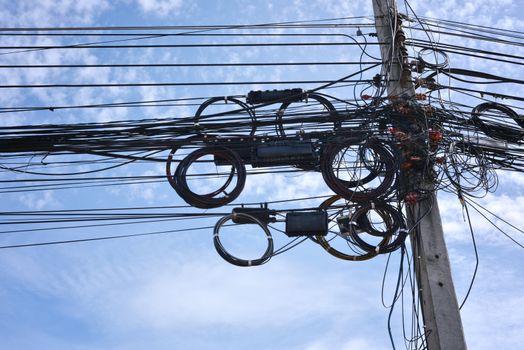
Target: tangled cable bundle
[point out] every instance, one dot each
(485, 118)
(212, 199)
(343, 237)
(344, 176)
(350, 221)
(441, 59)
(222, 121)
(393, 223)
(299, 121)
(372, 169)
(375, 151)
(385, 131)
(337, 238)
(468, 170)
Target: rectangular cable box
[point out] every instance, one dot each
(306, 223)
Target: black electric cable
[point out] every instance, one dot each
(233, 259)
(476, 257)
(495, 128)
(392, 219)
(104, 238)
(160, 46)
(202, 122)
(336, 213)
(151, 84)
(328, 113)
(436, 53)
(210, 200)
(331, 165)
(184, 65)
(521, 245)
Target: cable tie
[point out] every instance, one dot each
(403, 230)
(249, 263)
(372, 205)
(215, 234)
(225, 99)
(377, 249)
(354, 223)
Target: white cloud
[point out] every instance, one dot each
(221, 295)
(281, 186)
(195, 289)
(125, 290)
(338, 341)
(50, 13)
(39, 200)
(161, 7)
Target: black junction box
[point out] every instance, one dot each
(306, 223)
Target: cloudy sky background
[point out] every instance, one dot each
(173, 291)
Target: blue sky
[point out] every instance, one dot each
(173, 291)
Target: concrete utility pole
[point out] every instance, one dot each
(440, 310)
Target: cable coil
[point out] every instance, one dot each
(392, 219)
(210, 200)
(335, 212)
(436, 52)
(331, 167)
(281, 122)
(495, 129)
(233, 259)
(225, 99)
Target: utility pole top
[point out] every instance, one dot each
(395, 65)
(440, 310)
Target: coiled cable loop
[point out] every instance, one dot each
(219, 118)
(293, 122)
(210, 200)
(233, 259)
(335, 207)
(494, 124)
(435, 53)
(194, 141)
(344, 174)
(393, 225)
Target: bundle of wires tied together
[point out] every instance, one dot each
(374, 155)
